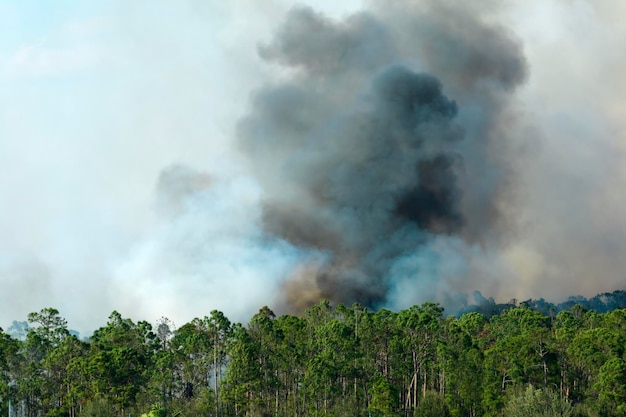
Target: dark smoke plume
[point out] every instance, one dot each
(379, 140)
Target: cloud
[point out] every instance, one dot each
(42, 61)
(167, 159)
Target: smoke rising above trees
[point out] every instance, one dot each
(161, 158)
(362, 156)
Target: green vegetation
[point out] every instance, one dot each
(331, 361)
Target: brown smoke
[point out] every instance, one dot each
(366, 157)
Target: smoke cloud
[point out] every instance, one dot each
(168, 159)
(364, 154)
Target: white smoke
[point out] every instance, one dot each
(100, 101)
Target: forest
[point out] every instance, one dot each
(330, 361)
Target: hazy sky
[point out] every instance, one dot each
(121, 188)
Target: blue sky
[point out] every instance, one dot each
(99, 98)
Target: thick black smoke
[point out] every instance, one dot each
(365, 155)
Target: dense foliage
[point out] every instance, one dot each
(331, 361)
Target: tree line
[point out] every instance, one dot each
(331, 361)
